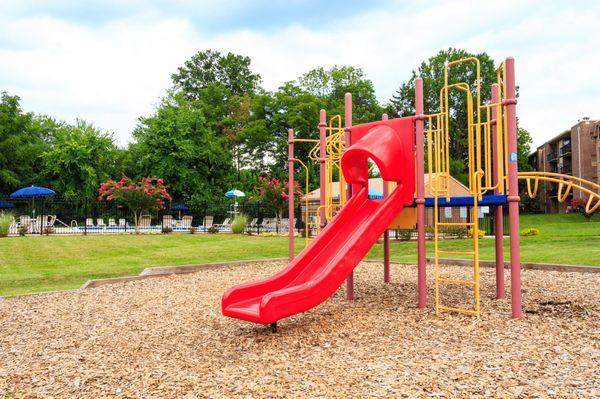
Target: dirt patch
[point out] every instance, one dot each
(165, 337)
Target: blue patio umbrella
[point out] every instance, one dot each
(180, 208)
(373, 194)
(6, 205)
(33, 192)
(235, 193)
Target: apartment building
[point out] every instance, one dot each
(574, 152)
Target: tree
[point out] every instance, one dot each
(274, 192)
(23, 138)
(227, 91)
(210, 67)
(291, 107)
(523, 149)
(432, 73)
(333, 84)
(148, 194)
(177, 144)
(81, 157)
(296, 105)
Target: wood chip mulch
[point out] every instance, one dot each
(165, 338)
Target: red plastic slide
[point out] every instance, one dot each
(316, 273)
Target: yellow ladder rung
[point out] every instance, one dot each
(465, 224)
(459, 310)
(455, 281)
(439, 251)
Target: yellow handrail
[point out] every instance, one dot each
(306, 228)
(566, 184)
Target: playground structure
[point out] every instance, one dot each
(398, 147)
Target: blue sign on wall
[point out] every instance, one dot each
(513, 157)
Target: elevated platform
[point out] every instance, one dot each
(486, 200)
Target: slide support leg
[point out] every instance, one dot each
(291, 192)
(497, 162)
(273, 327)
(420, 200)
(513, 190)
(498, 233)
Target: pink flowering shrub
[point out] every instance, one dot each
(148, 194)
(577, 205)
(274, 192)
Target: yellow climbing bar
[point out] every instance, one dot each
(566, 184)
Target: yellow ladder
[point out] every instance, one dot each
(472, 226)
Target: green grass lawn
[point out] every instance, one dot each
(564, 239)
(33, 264)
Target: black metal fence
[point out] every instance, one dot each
(57, 215)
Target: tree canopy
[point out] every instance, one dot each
(22, 141)
(211, 68)
(432, 73)
(80, 159)
(216, 128)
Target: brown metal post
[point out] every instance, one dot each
(322, 166)
(498, 222)
(420, 200)
(513, 190)
(291, 191)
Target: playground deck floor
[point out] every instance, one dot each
(165, 337)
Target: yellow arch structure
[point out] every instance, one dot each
(566, 184)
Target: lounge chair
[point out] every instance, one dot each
(207, 222)
(186, 222)
(226, 225)
(89, 222)
(50, 221)
(112, 222)
(269, 224)
(25, 222)
(253, 224)
(14, 226)
(145, 222)
(122, 223)
(168, 221)
(100, 222)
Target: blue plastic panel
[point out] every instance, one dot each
(467, 201)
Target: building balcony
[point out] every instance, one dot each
(565, 150)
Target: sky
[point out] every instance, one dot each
(109, 62)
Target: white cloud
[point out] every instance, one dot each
(113, 73)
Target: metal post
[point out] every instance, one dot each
(42, 223)
(513, 190)
(386, 233)
(259, 218)
(420, 200)
(85, 217)
(498, 225)
(322, 166)
(348, 139)
(291, 190)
